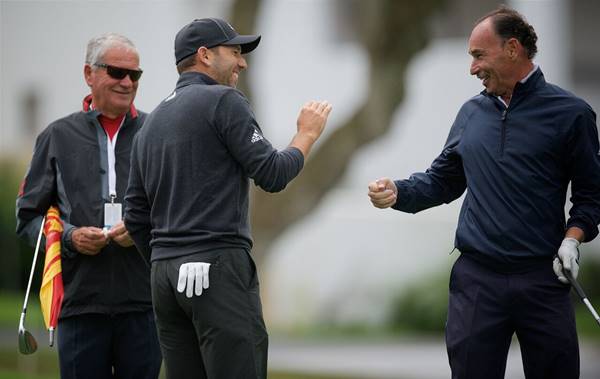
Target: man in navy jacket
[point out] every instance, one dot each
(515, 148)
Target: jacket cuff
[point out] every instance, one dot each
(298, 154)
(403, 201)
(68, 251)
(589, 232)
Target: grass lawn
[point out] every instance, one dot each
(11, 305)
(43, 364)
(16, 375)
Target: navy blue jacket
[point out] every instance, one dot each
(190, 170)
(516, 164)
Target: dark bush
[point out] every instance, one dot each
(15, 255)
(422, 307)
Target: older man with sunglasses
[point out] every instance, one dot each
(81, 163)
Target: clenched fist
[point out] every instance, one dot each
(383, 193)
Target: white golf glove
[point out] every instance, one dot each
(569, 259)
(193, 277)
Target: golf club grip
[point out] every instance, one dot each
(574, 283)
(581, 294)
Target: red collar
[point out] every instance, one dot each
(87, 106)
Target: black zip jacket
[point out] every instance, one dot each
(516, 164)
(69, 168)
(190, 170)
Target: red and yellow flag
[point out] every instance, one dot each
(51, 292)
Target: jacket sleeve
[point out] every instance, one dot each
(271, 169)
(137, 207)
(584, 169)
(441, 183)
(37, 191)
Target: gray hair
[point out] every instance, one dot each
(98, 46)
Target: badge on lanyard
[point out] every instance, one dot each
(112, 213)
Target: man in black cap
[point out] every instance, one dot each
(187, 205)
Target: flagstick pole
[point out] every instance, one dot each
(51, 331)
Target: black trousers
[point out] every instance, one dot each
(97, 346)
(219, 334)
(486, 308)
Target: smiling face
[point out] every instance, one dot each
(226, 64)
(113, 97)
(493, 59)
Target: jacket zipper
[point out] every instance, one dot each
(503, 138)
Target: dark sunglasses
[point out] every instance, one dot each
(120, 73)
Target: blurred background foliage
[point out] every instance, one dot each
(422, 307)
(16, 256)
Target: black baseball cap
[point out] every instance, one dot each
(210, 32)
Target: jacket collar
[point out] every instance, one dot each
(194, 77)
(88, 108)
(534, 81)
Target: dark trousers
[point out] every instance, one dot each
(219, 334)
(96, 346)
(486, 308)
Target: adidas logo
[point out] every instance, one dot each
(256, 137)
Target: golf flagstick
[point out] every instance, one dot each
(27, 343)
(581, 294)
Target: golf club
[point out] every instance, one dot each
(581, 294)
(27, 343)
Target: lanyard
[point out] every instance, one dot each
(112, 174)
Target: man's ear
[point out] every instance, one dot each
(87, 74)
(204, 55)
(513, 47)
